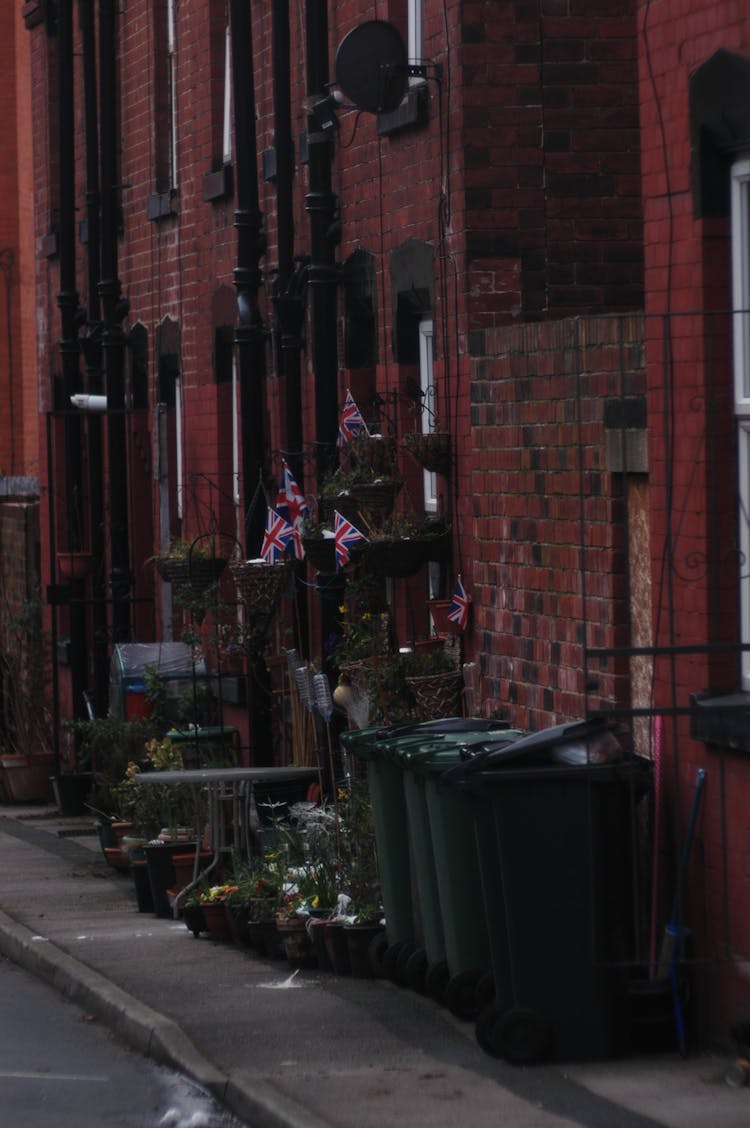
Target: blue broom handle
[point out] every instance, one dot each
(700, 779)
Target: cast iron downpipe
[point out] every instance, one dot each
(287, 295)
(67, 301)
(91, 345)
(114, 309)
(249, 340)
(322, 207)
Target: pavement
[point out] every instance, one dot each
(310, 1050)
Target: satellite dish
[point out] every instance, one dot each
(371, 67)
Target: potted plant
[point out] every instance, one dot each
(193, 568)
(405, 545)
(73, 565)
(431, 449)
(98, 752)
(434, 680)
(360, 878)
(212, 901)
(365, 486)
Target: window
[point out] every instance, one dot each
(740, 228)
(414, 41)
(165, 111)
(226, 125)
(427, 388)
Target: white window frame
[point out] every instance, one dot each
(226, 125)
(179, 446)
(172, 84)
(428, 421)
(414, 36)
(740, 245)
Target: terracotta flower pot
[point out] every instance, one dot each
(359, 937)
(215, 916)
(296, 943)
(337, 947)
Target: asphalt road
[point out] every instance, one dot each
(59, 1068)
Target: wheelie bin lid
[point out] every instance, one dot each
(414, 750)
(565, 746)
(376, 740)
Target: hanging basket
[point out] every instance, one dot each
(396, 557)
(197, 574)
(375, 500)
(345, 503)
(432, 450)
(436, 695)
(321, 552)
(377, 453)
(260, 586)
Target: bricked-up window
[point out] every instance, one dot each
(169, 437)
(740, 226)
(165, 110)
(360, 311)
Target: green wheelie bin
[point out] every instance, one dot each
(385, 785)
(421, 963)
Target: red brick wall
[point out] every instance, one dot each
(693, 493)
(18, 407)
(546, 517)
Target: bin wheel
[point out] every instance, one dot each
(407, 952)
(436, 979)
(376, 953)
(392, 956)
(415, 971)
(485, 991)
(461, 996)
(520, 1036)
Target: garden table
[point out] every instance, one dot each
(225, 787)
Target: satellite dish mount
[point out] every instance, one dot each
(372, 67)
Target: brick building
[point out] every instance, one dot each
(241, 214)
(19, 418)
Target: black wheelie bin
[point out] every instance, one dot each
(554, 822)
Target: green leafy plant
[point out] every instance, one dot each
(25, 676)
(153, 806)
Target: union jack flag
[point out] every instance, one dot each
(276, 538)
(458, 612)
(290, 501)
(346, 536)
(351, 422)
(291, 505)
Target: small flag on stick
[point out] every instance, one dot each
(346, 536)
(458, 612)
(351, 422)
(276, 538)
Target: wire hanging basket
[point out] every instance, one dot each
(261, 585)
(431, 449)
(436, 695)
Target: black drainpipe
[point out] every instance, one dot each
(114, 309)
(288, 291)
(91, 344)
(249, 339)
(67, 301)
(322, 207)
